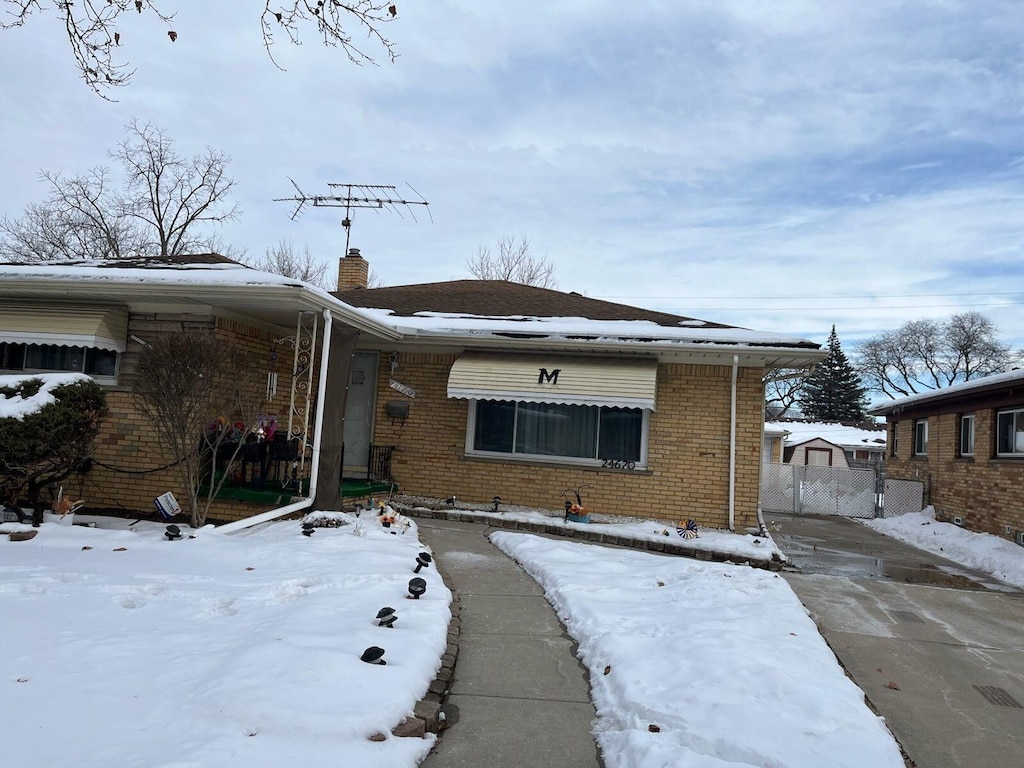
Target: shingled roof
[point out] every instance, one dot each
(501, 298)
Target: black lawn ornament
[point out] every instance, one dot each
(417, 587)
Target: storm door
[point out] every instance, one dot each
(359, 408)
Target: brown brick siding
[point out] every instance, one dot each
(127, 475)
(984, 490)
(688, 449)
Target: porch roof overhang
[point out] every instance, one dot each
(613, 382)
(271, 305)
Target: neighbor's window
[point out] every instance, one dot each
(895, 437)
(585, 433)
(967, 435)
(45, 358)
(921, 437)
(1010, 433)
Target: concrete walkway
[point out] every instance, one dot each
(520, 696)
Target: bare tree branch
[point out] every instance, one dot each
(925, 354)
(512, 262)
(282, 259)
(782, 388)
(160, 208)
(171, 193)
(94, 29)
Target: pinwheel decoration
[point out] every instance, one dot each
(687, 530)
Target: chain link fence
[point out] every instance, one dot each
(861, 493)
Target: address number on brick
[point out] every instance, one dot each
(618, 464)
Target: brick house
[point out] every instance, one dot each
(471, 389)
(659, 414)
(966, 443)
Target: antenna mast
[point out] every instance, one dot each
(349, 196)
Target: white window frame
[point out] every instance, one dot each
(968, 427)
(1017, 415)
(920, 446)
(641, 464)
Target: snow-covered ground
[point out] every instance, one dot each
(123, 648)
(984, 552)
(702, 665)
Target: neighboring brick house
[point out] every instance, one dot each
(966, 443)
(473, 389)
(659, 414)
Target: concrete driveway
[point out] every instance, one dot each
(937, 649)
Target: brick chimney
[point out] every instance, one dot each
(353, 271)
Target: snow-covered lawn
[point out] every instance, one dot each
(121, 648)
(981, 551)
(701, 664)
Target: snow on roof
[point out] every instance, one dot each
(422, 324)
(523, 326)
(1009, 377)
(161, 271)
(839, 434)
(18, 407)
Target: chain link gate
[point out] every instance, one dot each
(901, 497)
(796, 489)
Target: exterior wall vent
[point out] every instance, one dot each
(958, 521)
(1020, 538)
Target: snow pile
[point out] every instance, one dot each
(701, 664)
(980, 551)
(125, 648)
(18, 407)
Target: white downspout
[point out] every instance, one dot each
(732, 446)
(321, 394)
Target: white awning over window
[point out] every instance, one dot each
(568, 381)
(65, 325)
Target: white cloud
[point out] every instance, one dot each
(652, 149)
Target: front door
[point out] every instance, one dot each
(359, 407)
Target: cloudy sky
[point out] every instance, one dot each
(781, 165)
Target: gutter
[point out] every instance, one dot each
(732, 446)
(314, 472)
(800, 356)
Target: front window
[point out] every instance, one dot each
(585, 433)
(921, 437)
(1010, 433)
(45, 358)
(967, 435)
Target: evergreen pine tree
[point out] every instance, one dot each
(834, 391)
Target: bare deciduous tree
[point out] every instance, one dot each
(282, 259)
(512, 262)
(186, 381)
(782, 388)
(96, 28)
(158, 209)
(926, 354)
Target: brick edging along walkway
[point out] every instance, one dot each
(667, 547)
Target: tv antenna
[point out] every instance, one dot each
(349, 196)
